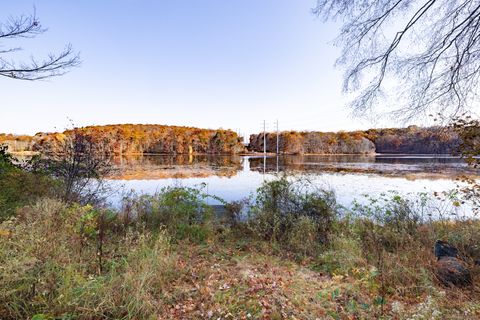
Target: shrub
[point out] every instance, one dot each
(282, 206)
(234, 212)
(80, 161)
(182, 211)
(19, 187)
(397, 240)
(390, 219)
(6, 160)
(302, 239)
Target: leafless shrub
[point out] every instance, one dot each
(81, 162)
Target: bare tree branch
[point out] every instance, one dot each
(51, 66)
(429, 50)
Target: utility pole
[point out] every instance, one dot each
(276, 122)
(264, 149)
(264, 140)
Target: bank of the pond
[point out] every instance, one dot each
(172, 256)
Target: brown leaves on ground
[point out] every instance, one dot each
(219, 283)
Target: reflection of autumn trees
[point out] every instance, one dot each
(303, 163)
(176, 166)
(141, 139)
(396, 166)
(179, 159)
(397, 140)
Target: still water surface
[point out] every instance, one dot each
(236, 177)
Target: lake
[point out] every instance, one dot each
(349, 176)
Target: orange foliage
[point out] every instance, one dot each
(158, 139)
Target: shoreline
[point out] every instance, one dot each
(254, 154)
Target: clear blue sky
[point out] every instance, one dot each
(209, 63)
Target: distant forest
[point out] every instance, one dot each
(159, 139)
(137, 139)
(412, 140)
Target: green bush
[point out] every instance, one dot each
(19, 187)
(283, 206)
(303, 238)
(182, 211)
(6, 160)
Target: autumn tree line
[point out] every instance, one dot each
(137, 139)
(159, 139)
(413, 140)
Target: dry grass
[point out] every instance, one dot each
(49, 266)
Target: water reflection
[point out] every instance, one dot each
(380, 164)
(350, 176)
(177, 166)
(191, 166)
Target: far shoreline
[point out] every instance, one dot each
(253, 154)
